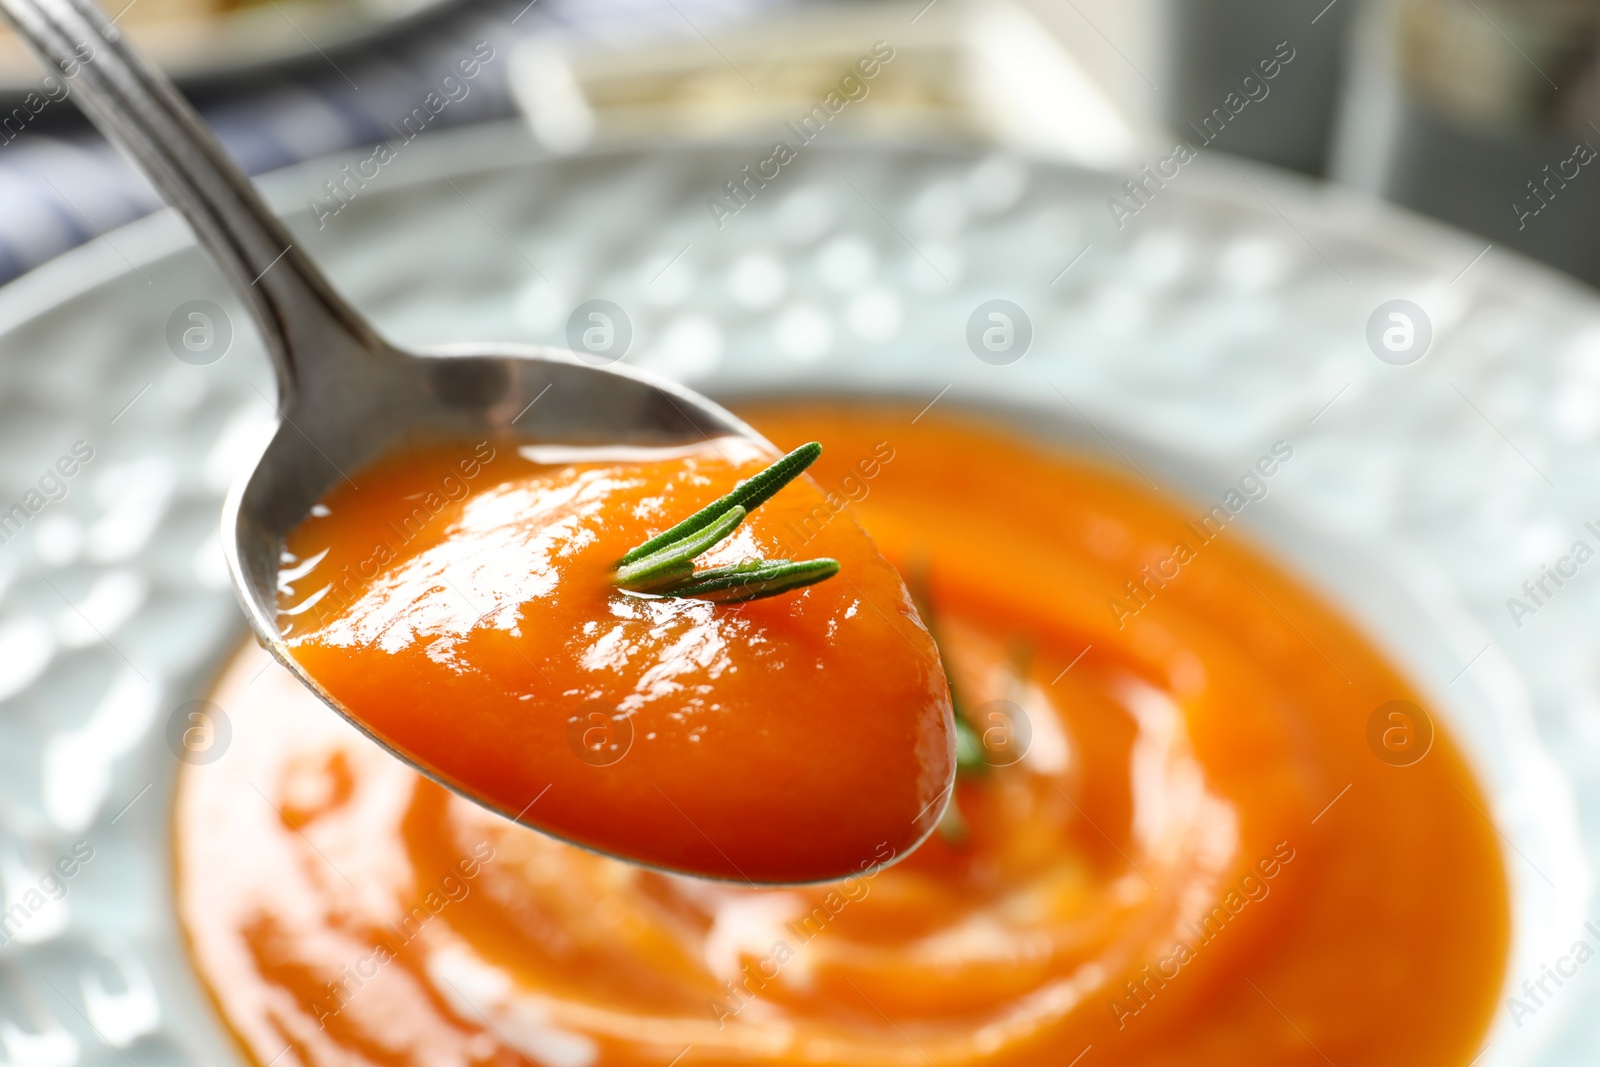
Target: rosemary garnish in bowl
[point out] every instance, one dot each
(664, 565)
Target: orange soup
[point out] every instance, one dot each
(1172, 842)
(460, 605)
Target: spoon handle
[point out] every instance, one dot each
(300, 316)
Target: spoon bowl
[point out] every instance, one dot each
(397, 400)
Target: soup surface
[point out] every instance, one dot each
(1176, 845)
(459, 602)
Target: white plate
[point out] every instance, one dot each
(1230, 312)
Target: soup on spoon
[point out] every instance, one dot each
(650, 652)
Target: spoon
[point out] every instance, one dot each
(346, 396)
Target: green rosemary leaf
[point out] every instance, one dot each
(732, 570)
(660, 579)
(665, 564)
(754, 579)
(674, 561)
(969, 748)
(750, 494)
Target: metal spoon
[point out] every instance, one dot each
(345, 395)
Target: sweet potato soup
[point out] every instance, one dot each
(461, 603)
(1171, 840)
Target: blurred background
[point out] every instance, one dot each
(1476, 112)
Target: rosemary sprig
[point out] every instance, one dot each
(756, 578)
(674, 561)
(750, 495)
(664, 565)
(969, 747)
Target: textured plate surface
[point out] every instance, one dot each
(1229, 312)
